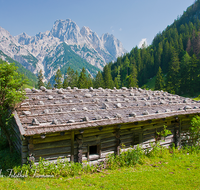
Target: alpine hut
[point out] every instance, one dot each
(88, 124)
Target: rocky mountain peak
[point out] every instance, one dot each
(4, 33)
(23, 38)
(49, 50)
(67, 31)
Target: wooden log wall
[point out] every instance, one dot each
(50, 146)
(19, 142)
(75, 145)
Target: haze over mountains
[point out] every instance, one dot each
(64, 45)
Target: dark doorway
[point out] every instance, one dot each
(93, 149)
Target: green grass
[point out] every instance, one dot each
(150, 84)
(161, 170)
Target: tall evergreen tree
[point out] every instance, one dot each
(65, 83)
(40, 79)
(184, 74)
(132, 79)
(99, 82)
(58, 79)
(116, 83)
(173, 77)
(107, 77)
(159, 83)
(193, 72)
(90, 81)
(71, 77)
(49, 85)
(82, 81)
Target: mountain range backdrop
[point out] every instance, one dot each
(172, 60)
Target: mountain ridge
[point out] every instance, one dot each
(32, 51)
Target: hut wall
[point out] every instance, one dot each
(94, 144)
(50, 146)
(19, 142)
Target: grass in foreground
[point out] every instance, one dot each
(163, 169)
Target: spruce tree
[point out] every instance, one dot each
(184, 74)
(99, 82)
(132, 79)
(108, 77)
(116, 83)
(90, 81)
(82, 81)
(58, 79)
(159, 83)
(71, 77)
(40, 79)
(49, 85)
(65, 83)
(173, 77)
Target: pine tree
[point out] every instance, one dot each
(58, 79)
(99, 82)
(184, 73)
(173, 78)
(49, 85)
(118, 78)
(116, 83)
(193, 72)
(89, 82)
(40, 79)
(83, 81)
(65, 83)
(159, 83)
(71, 78)
(132, 79)
(108, 77)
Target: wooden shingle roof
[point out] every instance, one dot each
(47, 111)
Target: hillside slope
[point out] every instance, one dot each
(175, 50)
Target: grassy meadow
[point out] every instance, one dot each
(160, 169)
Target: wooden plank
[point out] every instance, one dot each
(106, 154)
(97, 133)
(129, 136)
(123, 141)
(52, 134)
(24, 155)
(51, 139)
(110, 144)
(17, 120)
(50, 151)
(140, 137)
(54, 156)
(96, 130)
(111, 139)
(92, 138)
(56, 144)
(24, 142)
(91, 143)
(72, 146)
(91, 157)
(24, 148)
(108, 149)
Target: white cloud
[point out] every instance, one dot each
(120, 29)
(143, 41)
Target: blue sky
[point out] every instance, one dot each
(128, 20)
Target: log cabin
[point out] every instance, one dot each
(88, 124)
